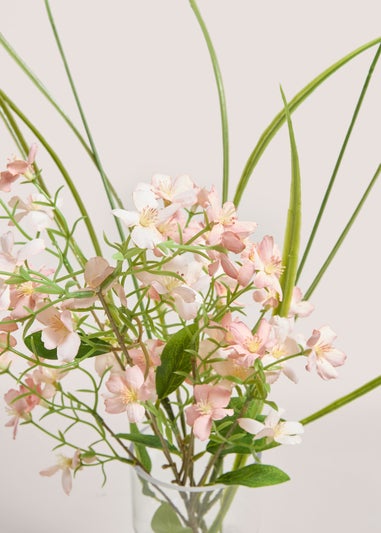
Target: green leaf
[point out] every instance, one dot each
(140, 449)
(165, 520)
(176, 357)
(256, 475)
(280, 118)
(151, 441)
(88, 347)
(292, 234)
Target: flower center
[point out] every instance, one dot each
(129, 396)
(204, 408)
(148, 217)
(253, 344)
(26, 289)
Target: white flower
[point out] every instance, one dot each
(273, 428)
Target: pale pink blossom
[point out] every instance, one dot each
(66, 465)
(267, 263)
(9, 259)
(247, 345)
(58, 332)
(181, 190)
(106, 362)
(15, 168)
(283, 345)
(298, 306)
(211, 402)
(145, 220)
(6, 341)
(97, 269)
(21, 402)
(33, 212)
(273, 428)
(128, 392)
(183, 287)
(24, 297)
(323, 357)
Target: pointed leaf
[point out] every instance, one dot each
(176, 357)
(150, 441)
(256, 475)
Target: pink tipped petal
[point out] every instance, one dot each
(144, 197)
(219, 397)
(68, 349)
(288, 439)
(335, 357)
(191, 413)
(135, 412)
(219, 413)
(30, 249)
(250, 425)
(66, 481)
(202, 427)
(146, 238)
(50, 471)
(134, 377)
(115, 405)
(116, 384)
(130, 218)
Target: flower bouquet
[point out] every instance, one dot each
(164, 344)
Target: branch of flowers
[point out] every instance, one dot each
(98, 163)
(60, 167)
(338, 162)
(364, 389)
(222, 100)
(280, 118)
(342, 236)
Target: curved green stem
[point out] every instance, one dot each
(368, 387)
(338, 162)
(60, 167)
(280, 118)
(344, 233)
(83, 117)
(221, 96)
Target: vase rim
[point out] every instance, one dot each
(179, 488)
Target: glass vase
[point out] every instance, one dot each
(162, 507)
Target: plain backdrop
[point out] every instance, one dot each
(143, 72)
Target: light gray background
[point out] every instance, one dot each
(143, 71)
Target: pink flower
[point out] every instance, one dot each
(21, 402)
(268, 264)
(59, 333)
(210, 405)
(128, 391)
(67, 465)
(97, 269)
(15, 168)
(249, 346)
(145, 220)
(299, 306)
(273, 428)
(36, 215)
(324, 358)
(181, 190)
(183, 287)
(10, 260)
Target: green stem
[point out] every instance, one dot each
(342, 236)
(60, 167)
(338, 162)
(293, 227)
(374, 383)
(221, 96)
(228, 497)
(83, 117)
(280, 118)
(39, 85)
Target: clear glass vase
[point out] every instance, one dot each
(162, 507)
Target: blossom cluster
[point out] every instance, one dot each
(187, 270)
